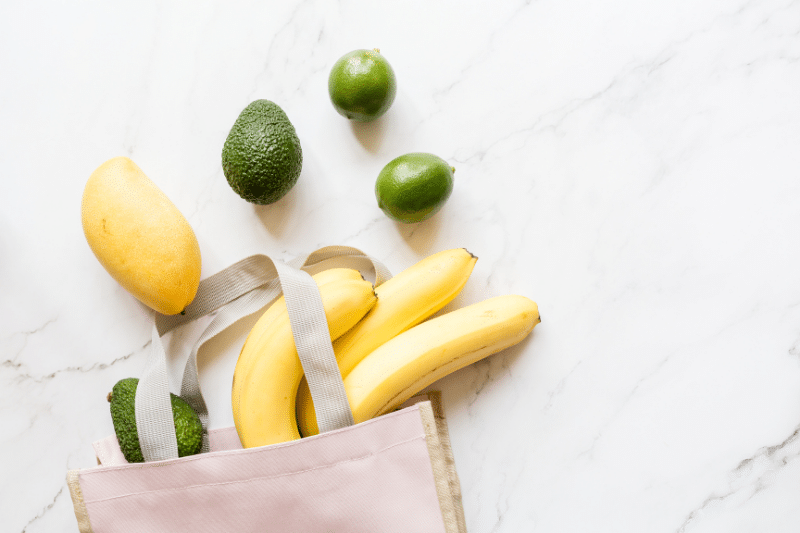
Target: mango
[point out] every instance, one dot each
(140, 236)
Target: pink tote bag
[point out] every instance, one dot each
(392, 474)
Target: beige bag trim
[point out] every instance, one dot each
(448, 487)
(74, 484)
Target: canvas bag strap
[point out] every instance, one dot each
(238, 291)
(312, 339)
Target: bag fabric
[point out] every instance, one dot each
(394, 473)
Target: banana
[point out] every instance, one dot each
(276, 308)
(279, 306)
(404, 301)
(429, 351)
(268, 371)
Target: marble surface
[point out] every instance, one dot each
(631, 166)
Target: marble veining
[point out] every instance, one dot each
(631, 166)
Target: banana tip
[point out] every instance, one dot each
(471, 254)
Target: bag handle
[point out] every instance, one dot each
(234, 293)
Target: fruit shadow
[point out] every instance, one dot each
(370, 134)
(421, 236)
(276, 217)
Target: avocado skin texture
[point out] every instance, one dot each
(262, 158)
(188, 427)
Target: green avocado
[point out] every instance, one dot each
(188, 427)
(262, 158)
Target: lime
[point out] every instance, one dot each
(413, 187)
(362, 85)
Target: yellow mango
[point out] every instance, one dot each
(140, 237)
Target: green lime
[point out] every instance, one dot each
(362, 85)
(413, 187)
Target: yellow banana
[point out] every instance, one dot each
(425, 353)
(265, 383)
(276, 308)
(321, 278)
(404, 301)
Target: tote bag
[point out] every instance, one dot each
(392, 474)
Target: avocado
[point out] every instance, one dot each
(188, 427)
(262, 158)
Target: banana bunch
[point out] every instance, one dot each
(404, 301)
(268, 371)
(387, 346)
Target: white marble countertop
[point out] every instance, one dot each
(631, 166)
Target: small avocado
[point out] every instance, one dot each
(188, 427)
(262, 158)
